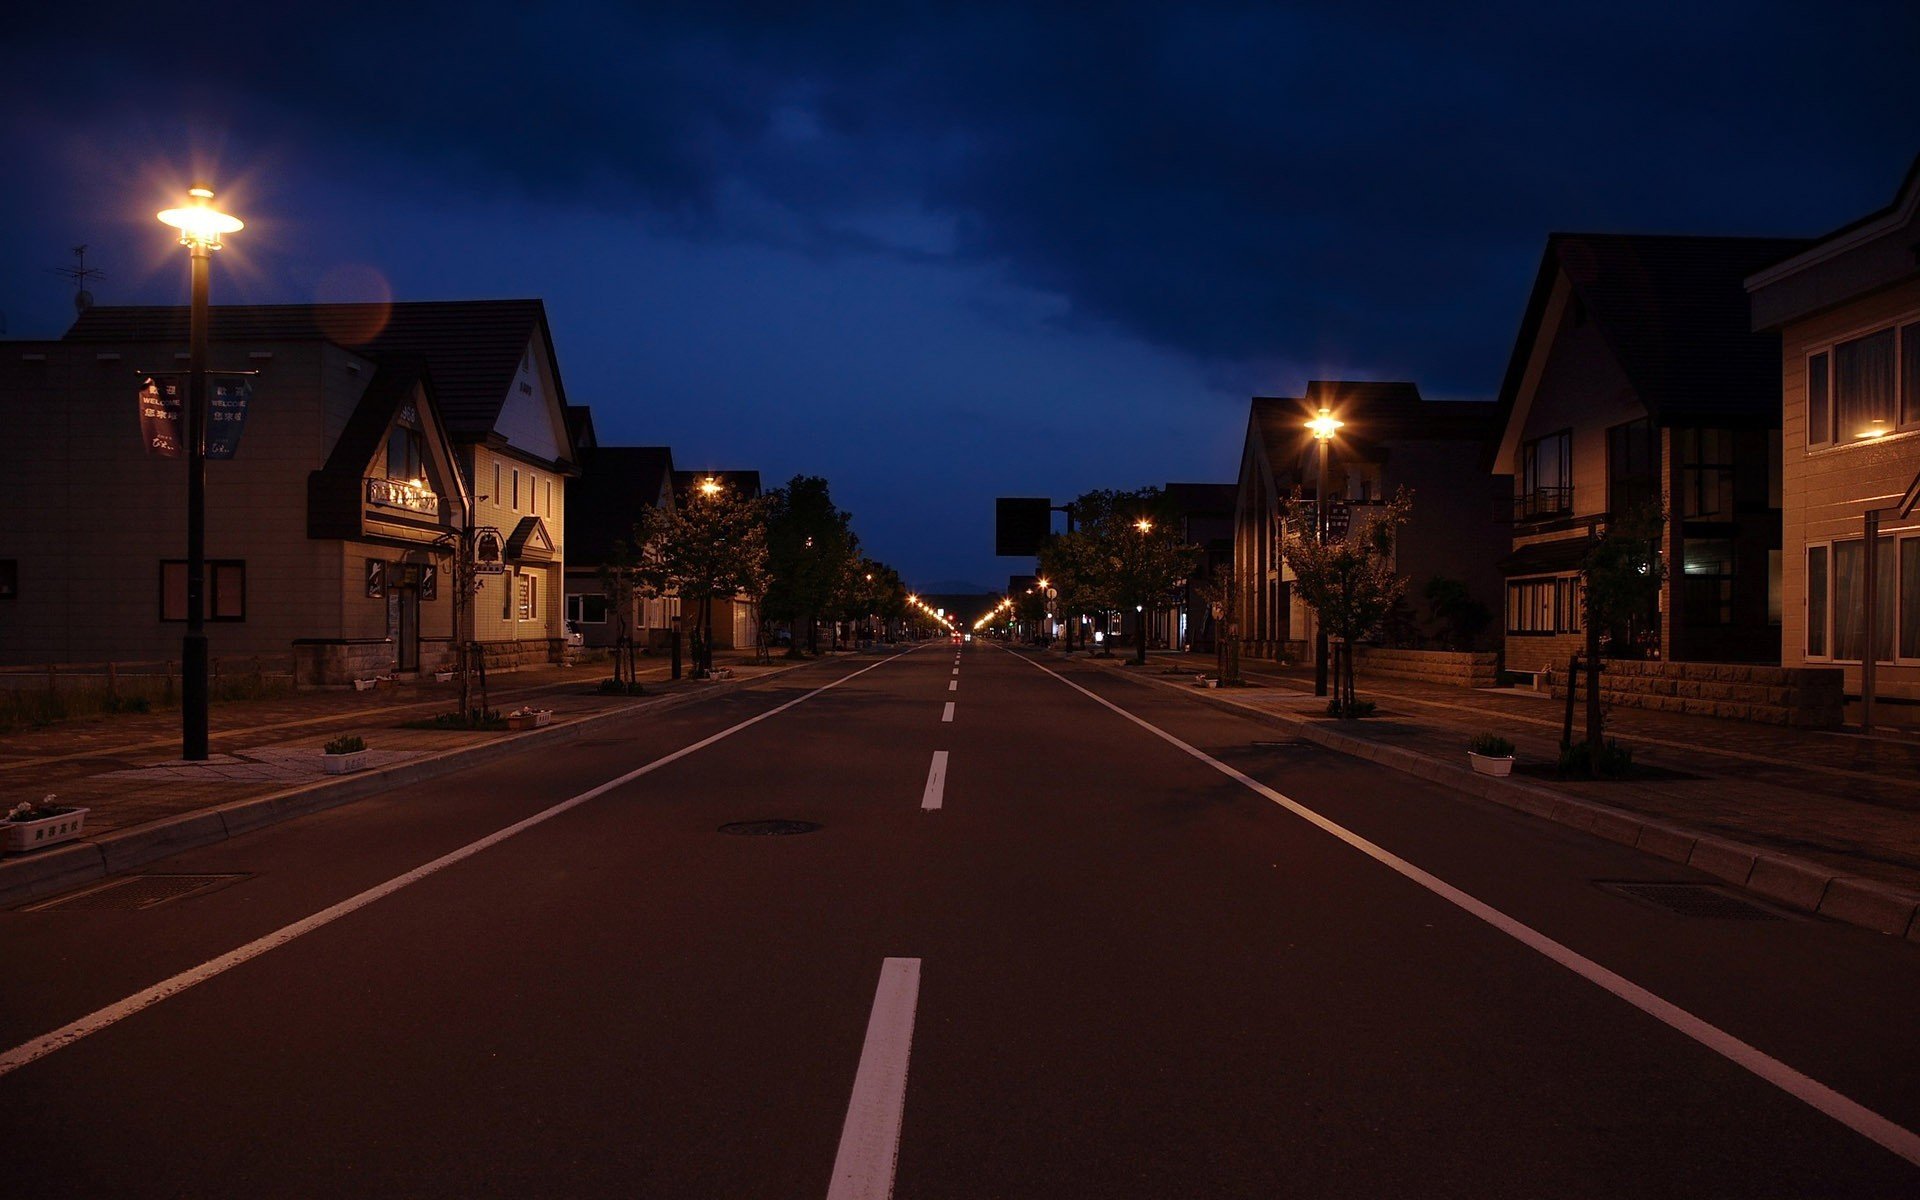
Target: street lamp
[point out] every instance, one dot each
(1145, 527)
(201, 226)
(1323, 428)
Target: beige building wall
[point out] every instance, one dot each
(1826, 490)
(498, 502)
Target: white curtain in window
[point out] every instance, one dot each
(1863, 385)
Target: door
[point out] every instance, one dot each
(407, 635)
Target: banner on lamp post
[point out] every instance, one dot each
(163, 396)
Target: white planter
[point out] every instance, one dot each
(21, 836)
(343, 764)
(443, 676)
(365, 685)
(1487, 764)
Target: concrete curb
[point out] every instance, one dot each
(1781, 878)
(69, 866)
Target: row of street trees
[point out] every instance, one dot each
(792, 554)
(1125, 554)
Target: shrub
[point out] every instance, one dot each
(1352, 711)
(351, 743)
(490, 719)
(1613, 761)
(1491, 746)
(620, 687)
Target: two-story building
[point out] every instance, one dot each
(617, 484)
(1846, 313)
(1389, 438)
(1637, 383)
(375, 434)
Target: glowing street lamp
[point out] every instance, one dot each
(201, 226)
(711, 487)
(1323, 427)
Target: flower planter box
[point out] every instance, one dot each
(443, 676)
(1487, 764)
(365, 685)
(22, 836)
(532, 720)
(343, 764)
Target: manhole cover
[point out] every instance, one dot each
(135, 892)
(768, 828)
(1695, 900)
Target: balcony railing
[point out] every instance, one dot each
(1540, 504)
(409, 494)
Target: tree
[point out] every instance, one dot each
(1223, 601)
(712, 546)
(1620, 578)
(809, 544)
(1349, 582)
(1126, 554)
(620, 583)
(1461, 619)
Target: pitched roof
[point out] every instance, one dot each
(1673, 312)
(603, 504)
(472, 347)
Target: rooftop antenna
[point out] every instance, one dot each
(80, 273)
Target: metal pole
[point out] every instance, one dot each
(1063, 605)
(1320, 536)
(193, 647)
(1870, 565)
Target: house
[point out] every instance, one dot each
(1389, 438)
(1845, 311)
(375, 435)
(1637, 384)
(616, 485)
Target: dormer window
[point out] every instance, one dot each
(406, 453)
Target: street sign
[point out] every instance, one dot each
(1021, 524)
(1053, 593)
(489, 551)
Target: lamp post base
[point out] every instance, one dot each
(193, 697)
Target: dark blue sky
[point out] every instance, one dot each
(943, 254)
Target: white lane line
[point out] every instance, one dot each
(870, 1140)
(947, 714)
(936, 789)
(1854, 1115)
(956, 670)
(953, 685)
(114, 1013)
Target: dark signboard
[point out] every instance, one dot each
(1021, 524)
(160, 403)
(163, 399)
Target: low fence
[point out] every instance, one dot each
(1803, 697)
(1467, 669)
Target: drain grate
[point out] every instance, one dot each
(768, 828)
(136, 892)
(1695, 900)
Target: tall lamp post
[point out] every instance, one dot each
(201, 226)
(1323, 428)
(710, 487)
(1144, 527)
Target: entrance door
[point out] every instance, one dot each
(403, 626)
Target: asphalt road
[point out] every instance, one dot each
(1077, 960)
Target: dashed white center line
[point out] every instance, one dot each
(947, 715)
(936, 782)
(870, 1140)
(953, 685)
(956, 670)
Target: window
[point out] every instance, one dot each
(405, 459)
(529, 597)
(1633, 456)
(587, 609)
(509, 584)
(1706, 581)
(9, 579)
(497, 494)
(226, 590)
(1865, 386)
(549, 497)
(1545, 476)
(516, 489)
(1706, 473)
(1840, 606)
(1910, 597)
(1816, 601)
(1544, 606)
(1819, 406)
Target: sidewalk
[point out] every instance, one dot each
(126, 770)
(1847, 802)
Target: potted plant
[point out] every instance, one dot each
(31, 826)
(365, 685)
(529, 718)
(445, 676)
(1491, 755)
(344, 755)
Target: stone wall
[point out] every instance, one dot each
(1472, 669)
(527, 652)
(1804, 697)
(337, 662)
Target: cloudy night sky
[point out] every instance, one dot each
(941, 254)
